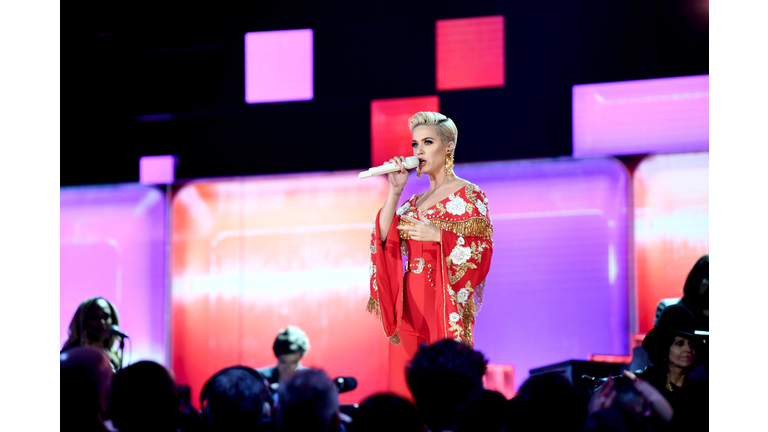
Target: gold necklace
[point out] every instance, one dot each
(669, 384)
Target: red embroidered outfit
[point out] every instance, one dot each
(442, 289)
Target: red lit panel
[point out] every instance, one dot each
(253, 255)
(607, 358)
(671, 226)
(390, 132)
(470, 53)
(500, 378)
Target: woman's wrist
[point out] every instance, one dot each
(395, 191)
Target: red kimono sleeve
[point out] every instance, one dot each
(386, 284)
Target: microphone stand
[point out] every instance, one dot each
(122, 351)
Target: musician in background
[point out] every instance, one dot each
(290, 346)
(91, 325)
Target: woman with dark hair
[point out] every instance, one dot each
(671, 346)
(90, 326)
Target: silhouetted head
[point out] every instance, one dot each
(386, 413)
(547, 402)
(308, 401)
(144, 398)
(443, 377)
(696, 293)
(486, 414)
(236, 399)
(85, 377)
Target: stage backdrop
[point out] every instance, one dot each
(671, 226)
(252, 255)
(112, 241)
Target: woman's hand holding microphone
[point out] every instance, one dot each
(398, 179)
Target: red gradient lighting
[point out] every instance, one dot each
(390, 135)
(470, 53)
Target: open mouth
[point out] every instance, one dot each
(422, 162)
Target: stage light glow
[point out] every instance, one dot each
(645, 116)
(470, 53)
(112, 242)
(252, 255)
(671, 226)
(390, 133)
(279, 66)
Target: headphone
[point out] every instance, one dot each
(204, 394)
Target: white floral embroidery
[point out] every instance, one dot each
(460, 254)
(454, 317)
(451, 292)
(460, 240)
(462, 296)
(403, 208)
(456, 205)
(370, 269)
(481, 207)
(430, 212)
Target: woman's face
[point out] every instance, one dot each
(681, 352)
(429, 148)
(98, 321)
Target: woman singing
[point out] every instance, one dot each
(91, 326)
(445, 234)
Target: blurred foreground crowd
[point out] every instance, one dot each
(445, 380)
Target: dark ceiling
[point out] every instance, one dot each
(124, 61)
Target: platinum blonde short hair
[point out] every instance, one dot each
(290, 340)
(445, 126)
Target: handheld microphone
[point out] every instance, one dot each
(345, 384)
(114, 331)
(410, 163)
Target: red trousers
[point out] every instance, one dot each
(420, 312)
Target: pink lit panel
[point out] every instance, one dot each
(112, 242)
(156, 169)
(279, 66)
(646, 116)
(390, 131)
(671, 226)
(470, 53)
(252, 255)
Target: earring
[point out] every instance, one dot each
(449, 164)
(418, 172)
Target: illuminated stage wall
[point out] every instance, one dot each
(671, 226)
(251, 255)
(113, 245)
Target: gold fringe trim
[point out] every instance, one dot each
(474, 227)
(373, 307)
(395, 339)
